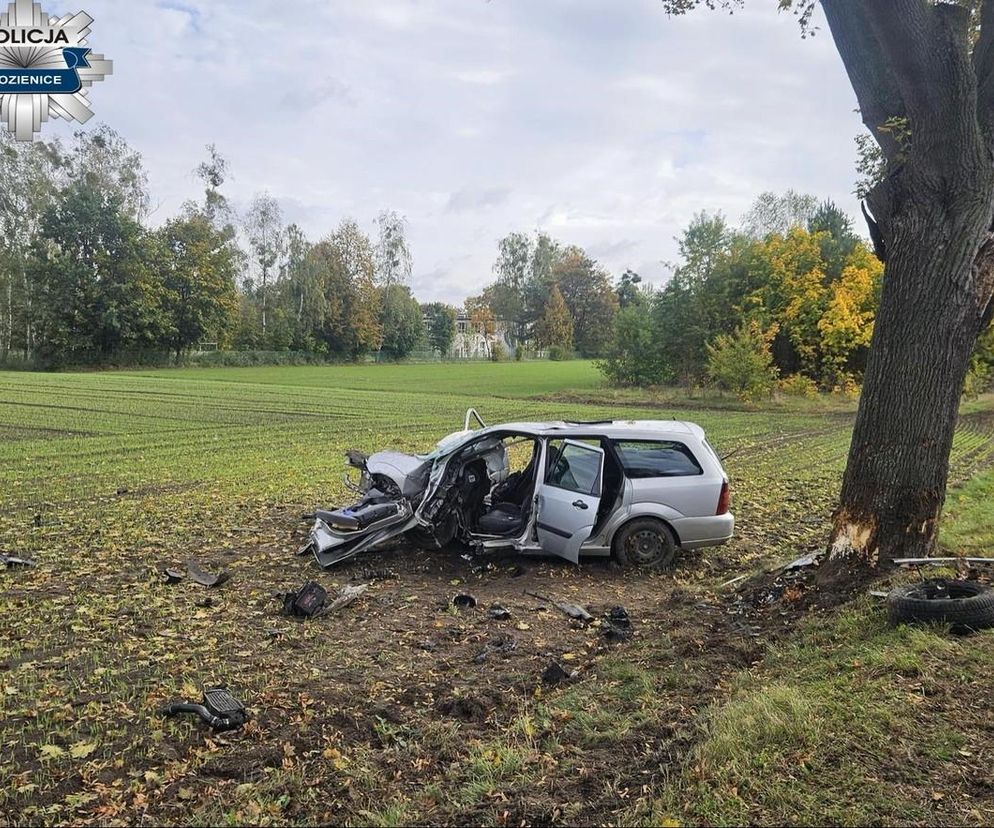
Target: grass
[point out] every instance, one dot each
(854, 723)
(103, 477)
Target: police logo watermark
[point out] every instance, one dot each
(46, 68)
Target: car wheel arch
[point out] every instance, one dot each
(632, 518)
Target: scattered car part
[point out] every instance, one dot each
(617, 624)
(463, 601)
(13, 561)
(939, 561)
(346, 595)
(555, 673)
(572, 610)
(803, 562)
(198, 575)
(306, 602)
(967, 605)
(498, 612)
(220, 710)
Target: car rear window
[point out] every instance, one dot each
(656, 458)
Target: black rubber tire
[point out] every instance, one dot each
(645, 543)
(967, 605)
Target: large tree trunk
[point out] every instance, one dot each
(928, 102)
(929, 318)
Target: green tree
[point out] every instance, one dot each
(631, 358)
(630, 290)
(441, 329)
(348, 317)
(556, 328)
(98, 291)
(199, 296)
(401, 321)
(587, 292)
(837, 237)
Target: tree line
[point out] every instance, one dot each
(788, 299)
(84, 280)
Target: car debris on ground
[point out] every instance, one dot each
(305, 602)
(966, 605)
(498, 612)
(220, 710)
(14, 562)
(196, 573)
(574, 611)
(617, 625)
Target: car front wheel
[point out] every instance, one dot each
(645, 543)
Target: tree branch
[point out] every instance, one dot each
(876, 89)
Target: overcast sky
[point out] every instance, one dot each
(604, 123)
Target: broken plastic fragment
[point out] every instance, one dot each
(200, 576)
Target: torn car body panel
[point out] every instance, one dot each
(556, 488)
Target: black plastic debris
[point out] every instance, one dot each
(617, 624)
(307, 602)
(13, 562)
(220, 710)
(554, 673)
(498, 613)
(464, 601)
(196, 573)
(172, 576)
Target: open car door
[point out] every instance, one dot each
(568, 498)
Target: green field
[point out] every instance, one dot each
(106, 476)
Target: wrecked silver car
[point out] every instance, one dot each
(637, 489)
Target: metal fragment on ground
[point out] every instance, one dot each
(198, 575)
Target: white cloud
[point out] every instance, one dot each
(606, 124)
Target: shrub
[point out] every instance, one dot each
(798, 385)
(498, 353)
(632, 357)
(557, 353)
(742, 361)
(846, 386)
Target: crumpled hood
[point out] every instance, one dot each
(409, 472)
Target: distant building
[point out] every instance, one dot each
(470, 341)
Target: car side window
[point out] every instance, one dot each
(574, 468)
(656, 458)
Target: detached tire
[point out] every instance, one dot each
(964, 604)
(645, 543)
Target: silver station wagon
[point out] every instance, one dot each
(637, 489)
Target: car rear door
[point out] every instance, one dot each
(569, 496)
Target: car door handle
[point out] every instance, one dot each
(580, 504)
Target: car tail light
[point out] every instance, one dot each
(723, 499)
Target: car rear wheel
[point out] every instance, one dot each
(645, 543)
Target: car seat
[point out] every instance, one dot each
(502, 519)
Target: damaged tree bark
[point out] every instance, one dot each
(929, 103)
